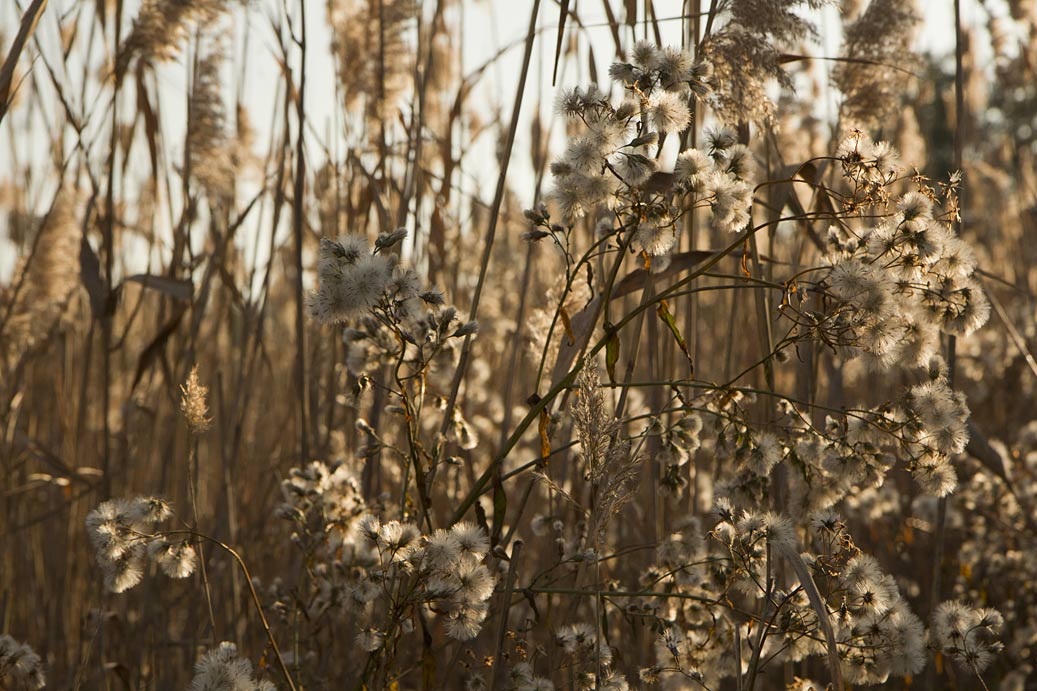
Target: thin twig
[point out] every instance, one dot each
(491, 232)
(28, 26)
(298, 211)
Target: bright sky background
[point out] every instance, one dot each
(488, 26)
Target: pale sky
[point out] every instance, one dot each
(488, 26)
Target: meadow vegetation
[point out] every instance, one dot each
(734, 390)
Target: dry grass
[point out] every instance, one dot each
(154, 340)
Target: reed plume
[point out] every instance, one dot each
(877, 47)
(46, 280)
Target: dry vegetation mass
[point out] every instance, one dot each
(708, 369)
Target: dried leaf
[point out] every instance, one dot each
(612, 356)
(568, 326)
(25, 31)
(90, 274)
(150, 123)
(545, 441)
(820, 609)
(178, 288)
(480, 517)
(151, 352)
(592, 67)
(563, 14)
(664, 313)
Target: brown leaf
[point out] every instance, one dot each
(564, 314)
(25, 31)
(663, 311)
(158, 343)
(545, 441)
(612, 356)
(178, 288)
(90, 275)
(150, 123)
(563, 14)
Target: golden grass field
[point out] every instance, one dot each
(386, 344)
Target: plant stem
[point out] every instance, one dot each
(491, 232)
(298, 211)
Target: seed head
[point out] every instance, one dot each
(193, 405)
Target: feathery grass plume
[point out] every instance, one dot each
(211, 153)
(880, 38)
(159, 28)
(375, 58)
(609, 465)
(222, 669)
(20, 667)
(595, 426)
(745, 55)
(193, 404)
(44, 283)
(441, 80)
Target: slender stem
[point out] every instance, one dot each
(108, 230)
(27, 27)
(298, 211)
(959, 131)
(502, 629)
(566, 381)
(252, 591)
(709, 25)
(491, 232)
(192, 485)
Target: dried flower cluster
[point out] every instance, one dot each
(222, 669)
(325, 502)
(611, 169)
(986, 512)
(354, 279)
(898, 285)
(734, 418)
(875, 632)
(20, 667)
(122, 532)
(382, 572)
(968, 635)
